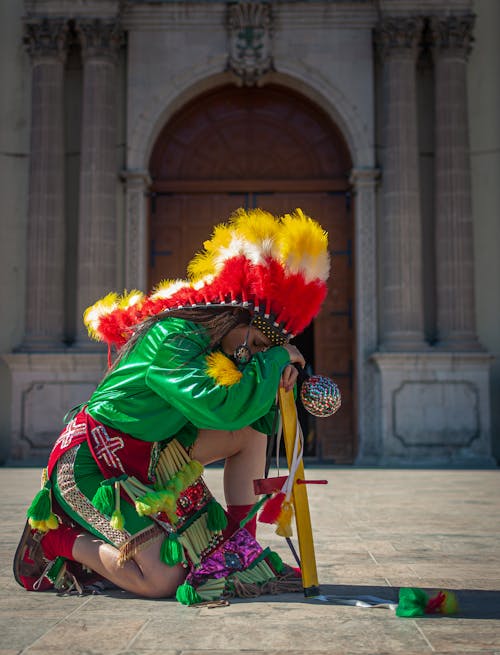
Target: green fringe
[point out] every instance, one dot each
(258, 574)
(171, 552)
(186, 594)
(216, 517)
(104, 498)
(253, 511)
(275, 561)
(212, 589)
(41, 507)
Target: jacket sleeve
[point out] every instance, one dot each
(178, 374)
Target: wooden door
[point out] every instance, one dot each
(186, 202)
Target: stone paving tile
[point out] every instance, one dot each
(96, 634)
(280, 627)
(456, 635)
(382, 529)
(331, 650)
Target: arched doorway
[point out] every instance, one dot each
(272, 148)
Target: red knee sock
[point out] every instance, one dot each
(237, 513)
(60, 542)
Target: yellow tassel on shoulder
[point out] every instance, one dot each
(222, 369)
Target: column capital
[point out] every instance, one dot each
(364, 177)
(452, 35)
(137, 179)
(398, 36)
(99, 38)
(46, 38)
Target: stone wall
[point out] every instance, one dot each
(432, 316)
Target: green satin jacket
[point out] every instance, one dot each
(162, 388)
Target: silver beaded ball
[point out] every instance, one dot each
(320, 396)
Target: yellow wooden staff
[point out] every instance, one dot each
(299, 495)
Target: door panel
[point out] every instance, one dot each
(181, 222)
(272, 148)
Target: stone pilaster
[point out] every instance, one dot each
(136, 262)
(97, 255)
(364, 181)
(452, 37)
(44, 330)
(402, 326)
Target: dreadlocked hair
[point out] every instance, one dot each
(217, 321)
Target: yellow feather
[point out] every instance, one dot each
(93, 314)
(167, 288)
(256, 225)
(312, 257)
(130, 298)
(204, 263)
(223, 370)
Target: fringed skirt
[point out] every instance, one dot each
(76, 480)
(171, 503)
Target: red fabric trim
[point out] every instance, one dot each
(115, 452)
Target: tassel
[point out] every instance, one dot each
(171, 552)
(52, 523)
(150, 503)
(272, 508)
(284, 521)
(216, 517)
(450, 603)
(117, 519)
(275, 561)
(444, 602)
(41, 507)
(104, 498)
(415, 602)
(40, 515)
(186, 594)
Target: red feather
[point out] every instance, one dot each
(272, 508)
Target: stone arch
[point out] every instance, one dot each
(359, 141)
(319, 91)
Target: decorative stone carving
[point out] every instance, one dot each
(99, 38)
(250, 34)
(435, 407)
(44, 387)
(398, 36)
(46, 38)
(453, 34)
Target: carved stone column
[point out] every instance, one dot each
(402, 325)
(44, 329)
(364, 181)
(452, 38)
(98, 175)
(136, 262)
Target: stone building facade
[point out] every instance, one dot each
(131, 127)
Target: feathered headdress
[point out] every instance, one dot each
(275, 267)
